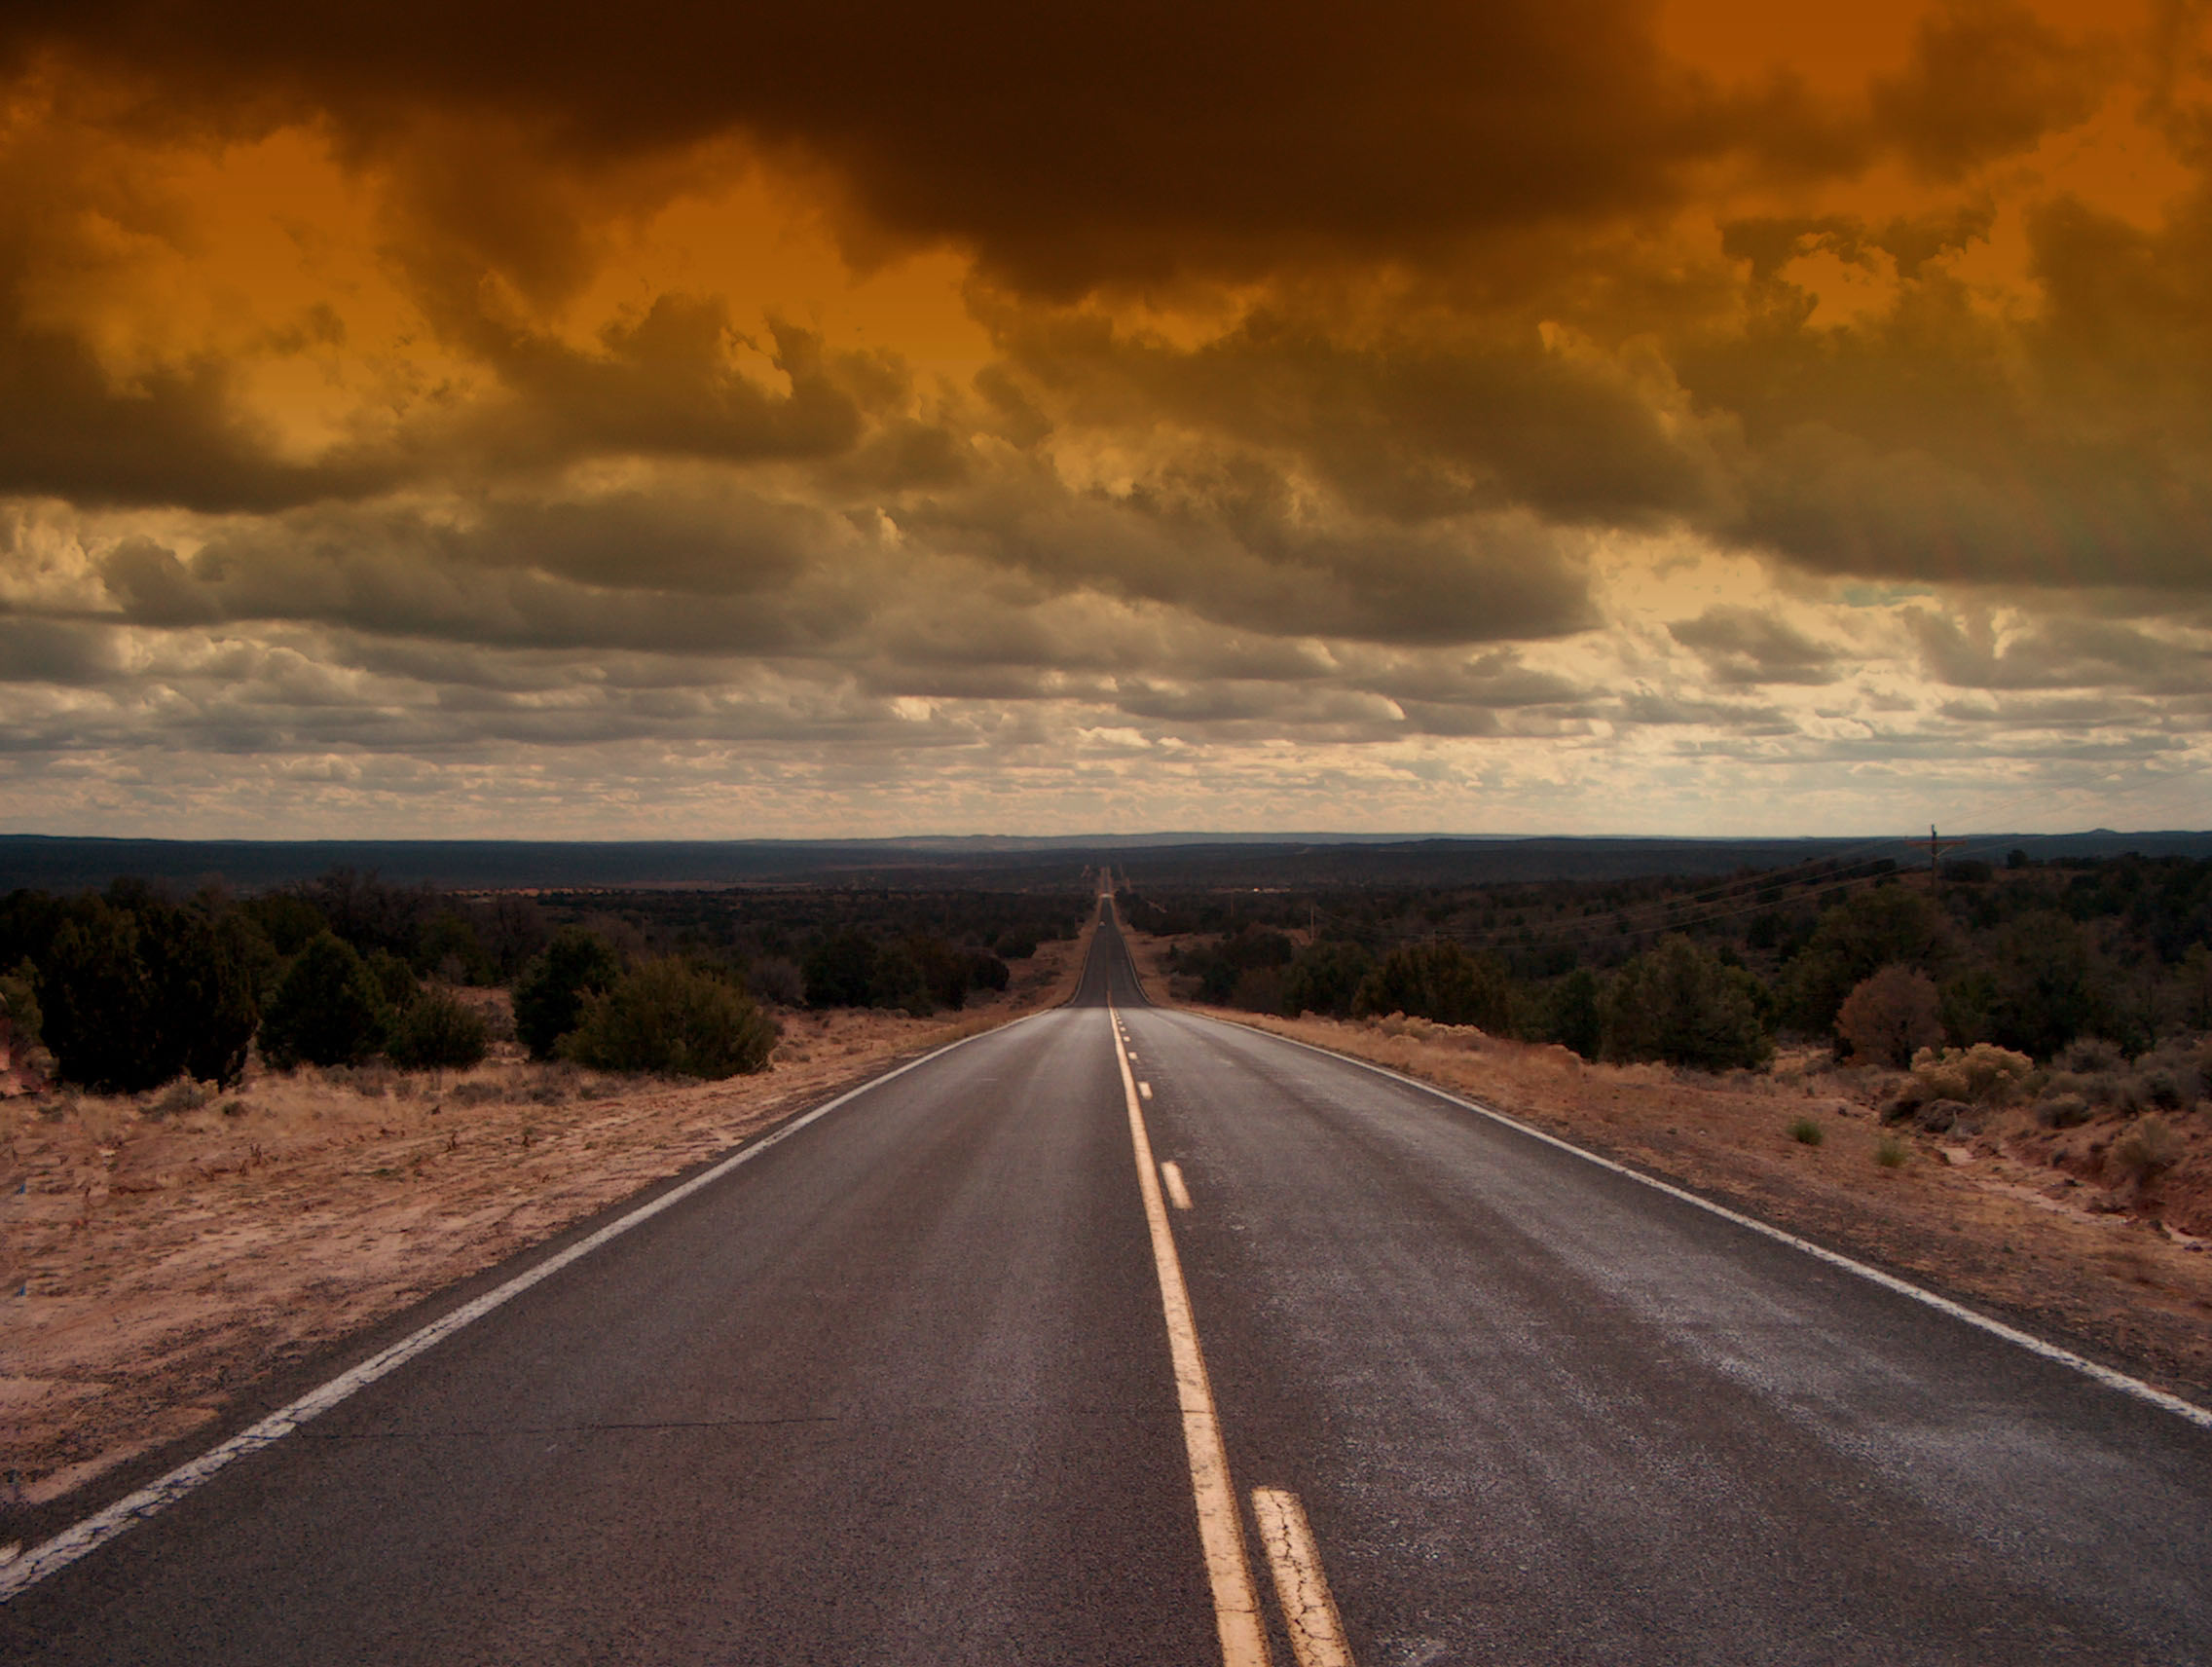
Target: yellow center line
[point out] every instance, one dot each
(1221, 1528)
(1317, 1630)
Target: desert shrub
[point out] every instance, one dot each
(1942, 1116)
(136, 991)
(1912, 1093)
(986, 972)
(1679, 1004)
(183, 1094)
(1441, 981)
(1890, 1016)
(670, 1018)
(1325, 978)
(1892, 1153)
(1856, 940)
(549, 995)
(1018, 945)
(2062, 1110)
(1978, 1075)
(2088, 1054)
(439, 1032)
(2146, 1151)
(1806, 1131)
(329, 1010)
(2173, 1075)
(777, 980)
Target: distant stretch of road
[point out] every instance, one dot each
(951, 1374)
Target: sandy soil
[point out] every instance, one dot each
(2017, 1220)
(159, 1256)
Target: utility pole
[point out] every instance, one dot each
(1936, 848)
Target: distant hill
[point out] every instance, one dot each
(54, 864)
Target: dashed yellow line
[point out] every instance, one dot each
(1221, 1528)
(1171, 1177)
(1317, 1630)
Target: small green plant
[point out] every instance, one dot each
(1807, 1133)
(1892, 1153)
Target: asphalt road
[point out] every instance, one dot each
(901, 1389)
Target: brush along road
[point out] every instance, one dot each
(950, 1374)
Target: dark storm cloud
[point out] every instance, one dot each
(171, 435)
(646, 572)
(1987, 79)
(1406, 427)
(1931, 440)
(1233, 544)
(1742, 647)
(663, 384)
(58, 651)
(2058, 654)
(1068, 145)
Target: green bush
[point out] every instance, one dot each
(1325, 979)
(439, 1032)
(1574, 1016)
(134, 991)
(1441, 981)
(1807, 1131)
(329, 1010)
(1681, 1005)
(841, 969)
(550, 994)
(19, 991)
(1856, 940)
(395, 978)
(674, 1020)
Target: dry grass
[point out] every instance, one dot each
(159, 1254)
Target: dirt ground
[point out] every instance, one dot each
(159, 1255)
(2024, 1223)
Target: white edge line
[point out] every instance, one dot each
(27, 1570)
(2201, 1417)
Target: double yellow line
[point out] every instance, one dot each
(1310, 1614)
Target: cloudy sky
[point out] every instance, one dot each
(1557, 415)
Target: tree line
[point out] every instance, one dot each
(2028, 958)
(128, 988)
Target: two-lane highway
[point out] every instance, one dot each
(902, 1388)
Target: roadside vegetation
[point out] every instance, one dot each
(1880, 964)
(126, 990)
(2051, 1020)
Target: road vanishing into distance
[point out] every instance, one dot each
(951, 1374)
